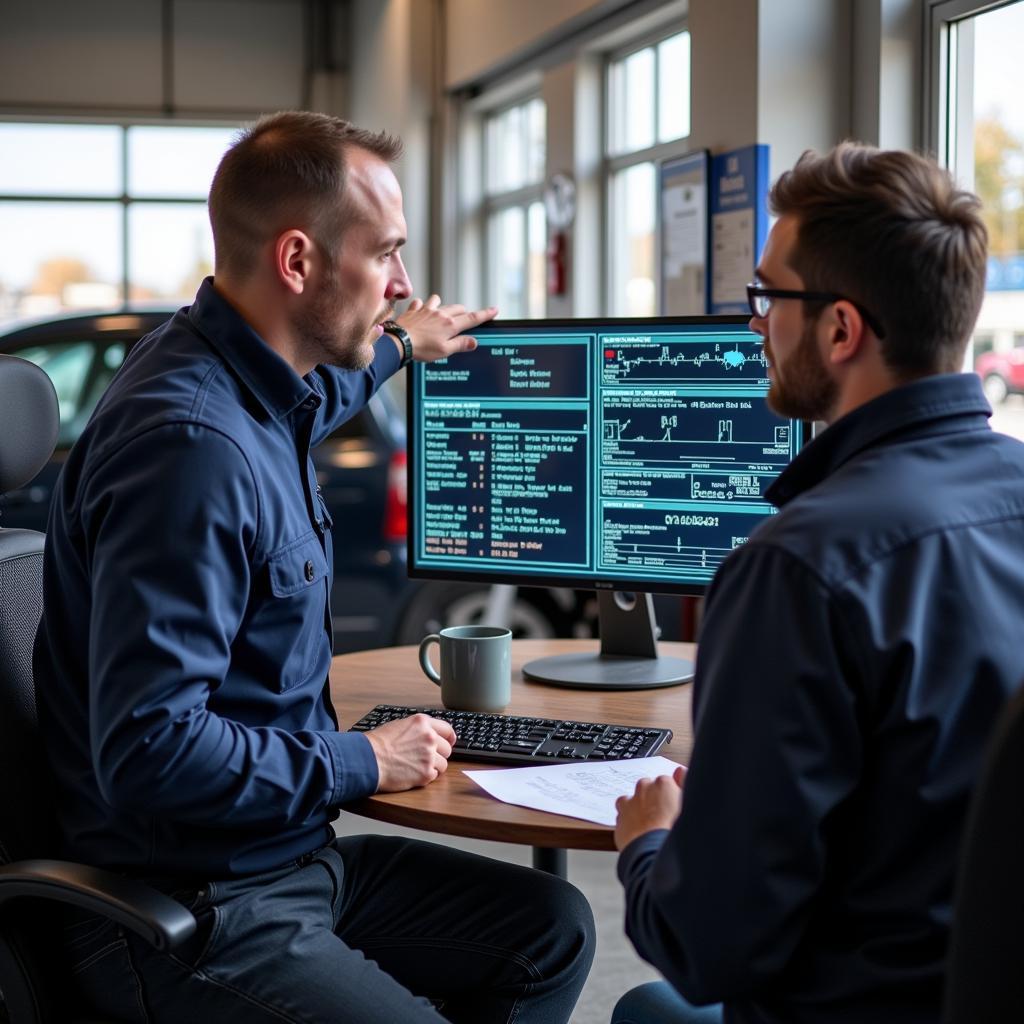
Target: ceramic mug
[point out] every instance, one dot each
(476, 667)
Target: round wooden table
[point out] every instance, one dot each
(454, 804)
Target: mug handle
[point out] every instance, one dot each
(428, 668)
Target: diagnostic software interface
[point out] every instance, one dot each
(594, 453)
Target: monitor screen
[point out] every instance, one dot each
(617, 455)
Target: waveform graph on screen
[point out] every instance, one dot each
(669, 537)
(688, 448)
(676, 427)
(711, 361)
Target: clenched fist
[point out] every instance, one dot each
(410, 751)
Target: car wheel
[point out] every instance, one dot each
(533, 616)
(996, 388)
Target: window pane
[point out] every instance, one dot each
(632, 242)
(674, 87)
(631, 102)
(60, 159)
(512, 157)
(177, 162)
(505, 151)
(170, 250)
(506, 250)
(515, 153)
(537, 260)
(493, 166)
(59, 256)
(998, 174)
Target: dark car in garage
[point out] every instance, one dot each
(361, 469)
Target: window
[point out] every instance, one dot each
(648, 111)
(514, 157)
(978, 123)
(97, 215)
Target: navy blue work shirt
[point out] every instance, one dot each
(854, 655)
(182, 659)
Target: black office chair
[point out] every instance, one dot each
(32, 990)
(985, 978)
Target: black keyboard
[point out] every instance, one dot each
(510, 739)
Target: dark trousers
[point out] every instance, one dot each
(370, 928)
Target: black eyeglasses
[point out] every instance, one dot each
(760, 300)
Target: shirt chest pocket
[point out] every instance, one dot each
(295, 620)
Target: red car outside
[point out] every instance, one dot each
(1002, 373)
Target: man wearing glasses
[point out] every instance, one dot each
(856, 651)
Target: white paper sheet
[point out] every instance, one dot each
(586, 791)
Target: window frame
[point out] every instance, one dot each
(948, 41)
(613, 164)
(948, 107)
(492, 205)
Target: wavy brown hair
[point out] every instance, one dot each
(890, 231)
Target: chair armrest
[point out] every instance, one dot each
(139, 907)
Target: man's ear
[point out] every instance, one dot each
(847, 332)
(293, 259)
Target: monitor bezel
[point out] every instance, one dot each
(530, 579)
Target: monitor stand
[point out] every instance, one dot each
(628, 659)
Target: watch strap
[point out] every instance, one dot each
(403, 339)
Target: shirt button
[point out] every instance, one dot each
(310, 571)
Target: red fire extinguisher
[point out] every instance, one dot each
(556, 263)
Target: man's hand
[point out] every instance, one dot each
(655, 803)
(410, 751)
(436, 330)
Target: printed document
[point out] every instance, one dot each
(586, 791)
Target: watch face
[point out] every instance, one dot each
(560, 201)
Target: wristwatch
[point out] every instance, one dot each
(403, 339)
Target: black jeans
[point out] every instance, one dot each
(370, 928)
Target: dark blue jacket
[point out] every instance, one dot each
(183, 654)
(853, 657)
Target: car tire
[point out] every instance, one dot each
(534, 615)
(996, 389)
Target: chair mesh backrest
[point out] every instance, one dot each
(26, 816)
(985, 978)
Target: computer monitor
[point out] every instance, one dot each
(629, 456)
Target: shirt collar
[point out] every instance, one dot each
(935, 404)
(275, 385)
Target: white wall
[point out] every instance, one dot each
(803, 76)
(395, 59)
(482, 35)
(220, 59)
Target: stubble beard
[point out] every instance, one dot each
(329, 336)
(806, 392)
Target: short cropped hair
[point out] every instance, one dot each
(890, 231)
(286, 170)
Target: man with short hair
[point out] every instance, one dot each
(182, 659)
(856, 650)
